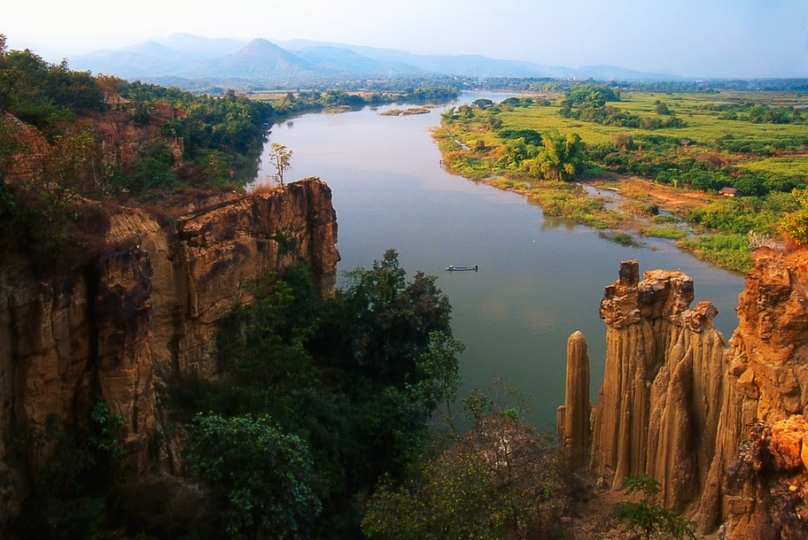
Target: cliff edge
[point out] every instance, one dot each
(141, 313)
(723, 430)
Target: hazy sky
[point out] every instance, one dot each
(718, 38)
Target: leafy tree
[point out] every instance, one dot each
(648, 519)
(482, 103)
(386, 322)
(795, 224)
(75, 470)
(74, 167)
(662, 108)
(594, 94)
(530, 136)
(263, 475)
(280, 158)
(561, 158)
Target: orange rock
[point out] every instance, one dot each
(145, 311)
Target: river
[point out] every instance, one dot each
(539, 279)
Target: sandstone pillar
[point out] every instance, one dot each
(574, 425)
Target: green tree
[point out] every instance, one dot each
(482, 103)
(149, 171)
(560, 159)
(75, 167)
(662, 108)
(795, 224)
(280, 158)
(386, 322)
(649, 519)
(263, 476)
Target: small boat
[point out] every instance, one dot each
(452, 268)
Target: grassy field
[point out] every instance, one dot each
(715, 140)
(797, 165)
(703, 126)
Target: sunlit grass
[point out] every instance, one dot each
(669, 233)
(788, 166)
(702, 126)
(728, 251)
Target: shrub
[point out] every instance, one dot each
(648, 519)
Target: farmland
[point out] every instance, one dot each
(661, 151)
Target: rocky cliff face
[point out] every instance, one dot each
(761, 434)
(658, 408)
(143, 312)
(722, 429)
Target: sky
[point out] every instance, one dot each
(699, 38)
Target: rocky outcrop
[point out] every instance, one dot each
(767, 483)
(723, 430)
(658, 407)
(144, 311)
(765, 388)
(573, 416)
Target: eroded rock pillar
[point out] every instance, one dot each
(574, 418)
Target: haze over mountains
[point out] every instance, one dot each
(183, 58)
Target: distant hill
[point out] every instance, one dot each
(193, 58)
(210, 47)
(259, 59)
(343, 60)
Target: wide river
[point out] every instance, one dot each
(539, 279)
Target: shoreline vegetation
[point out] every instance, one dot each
(717, 173)
(406, 112)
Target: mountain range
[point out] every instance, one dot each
(185, 57)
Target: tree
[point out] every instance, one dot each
(356, 377)
(560, 159)
(263, 475)
(280, 159)
(795, 224)
(662, 108)
(482, 103)
(650, 519)
(386, 321)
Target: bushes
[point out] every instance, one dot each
(149, 171)
(76, 471)
(730, 251)
(500, 480)
(648, 519)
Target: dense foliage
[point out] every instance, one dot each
(42, 94)
(501, 479)
(346, 385)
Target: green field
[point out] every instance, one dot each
(703, 127)
(755, 142)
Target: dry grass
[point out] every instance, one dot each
(264, 188)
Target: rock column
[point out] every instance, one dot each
(574, 428)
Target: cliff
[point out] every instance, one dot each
(762, 433)
(721, 429)
(141, 313)
(657, 409)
